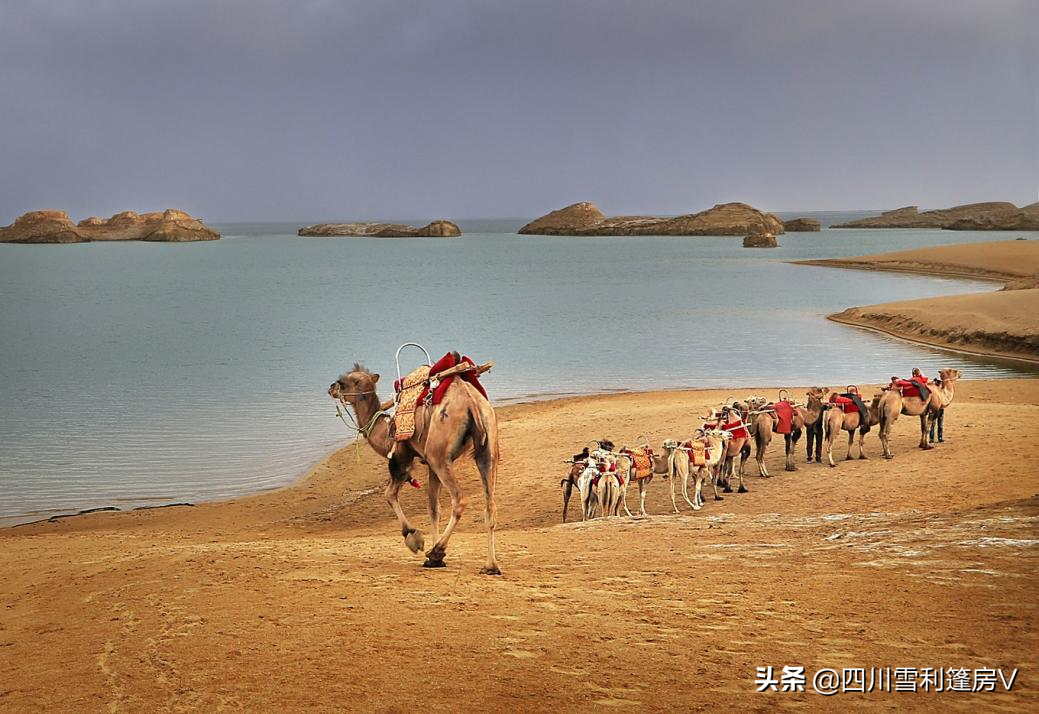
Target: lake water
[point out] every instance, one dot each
(138, 373)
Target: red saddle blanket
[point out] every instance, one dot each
(910, 388)
(847, 404)
(737, 428)
(448, 361)
(784, 417)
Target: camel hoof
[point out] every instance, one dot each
(490, 570)
(415, 541)
(742, 489)
(926, 447)
(430, 563)
(718, 498)
(863, 457)
(727, 489)
(833, 466)
(889, 456)
(791, 468)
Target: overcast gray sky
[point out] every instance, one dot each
(318, 109)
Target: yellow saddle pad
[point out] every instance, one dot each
(407, 400)
(697, 453)
(643, 464)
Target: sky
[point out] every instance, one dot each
(272, 110)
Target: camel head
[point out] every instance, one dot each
(354, 386)
(817, 393)
(948, 375)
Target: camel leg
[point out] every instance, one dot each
(831, 435)
(924, 419)
(851, 440)
(738, 465)
(725, 473)
(791, 447)
(433, 495)
(685, 488)
(568, 489)
(862, 440)
(488, 466)
(642, 496)
(444, 471)
(399, 472)
(697, 495)
(672, 476)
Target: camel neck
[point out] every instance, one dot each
(378, 434)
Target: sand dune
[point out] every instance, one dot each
(1003, 324)
(1013, 262)
(306, 596)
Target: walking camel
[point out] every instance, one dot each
(836, 420)
(803, 419)
(464, 418)
(892, 403)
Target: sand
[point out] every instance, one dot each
(1003, 324)
(1013, 262)
(307, 597)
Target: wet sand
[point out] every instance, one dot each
(307, 596)
(1003, 324)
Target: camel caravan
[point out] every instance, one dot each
(719, 449)
(716, 452)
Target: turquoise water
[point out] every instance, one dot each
(139, 373)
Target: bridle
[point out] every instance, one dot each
(366, 430)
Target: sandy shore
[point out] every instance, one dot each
(1003, 324)
(306, 596)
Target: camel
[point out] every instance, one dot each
(738, 447)
(715, 441)
(464, 419)
(611, 484)
(659, 464)
(764, 423)
(892, 403)
(679, 466)
(836, 420)
(588, 487)
(568, 483)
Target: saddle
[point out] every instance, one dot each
(699, 453)
(642, 457)
(784, 417)
(844, 402)
(737, 428)
(451, 359)
(409, 392)
(913, 388)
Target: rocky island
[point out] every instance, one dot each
(436, 229)
(56, 227)
(802, 225)
(991, 216)
(724, 219)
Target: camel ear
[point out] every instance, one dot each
(375, 378)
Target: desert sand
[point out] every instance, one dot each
(307, 596)
(1003, 324)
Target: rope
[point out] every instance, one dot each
(352, 424)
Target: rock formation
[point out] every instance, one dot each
(55, 227)
(802, 225)
(1017, 219)
(911, 217)
(761, 240)
(436, 229)
(724, 219)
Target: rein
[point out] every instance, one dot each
(365, 431)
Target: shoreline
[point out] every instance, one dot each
(358, 453)
(996, 324)
(942, 345)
